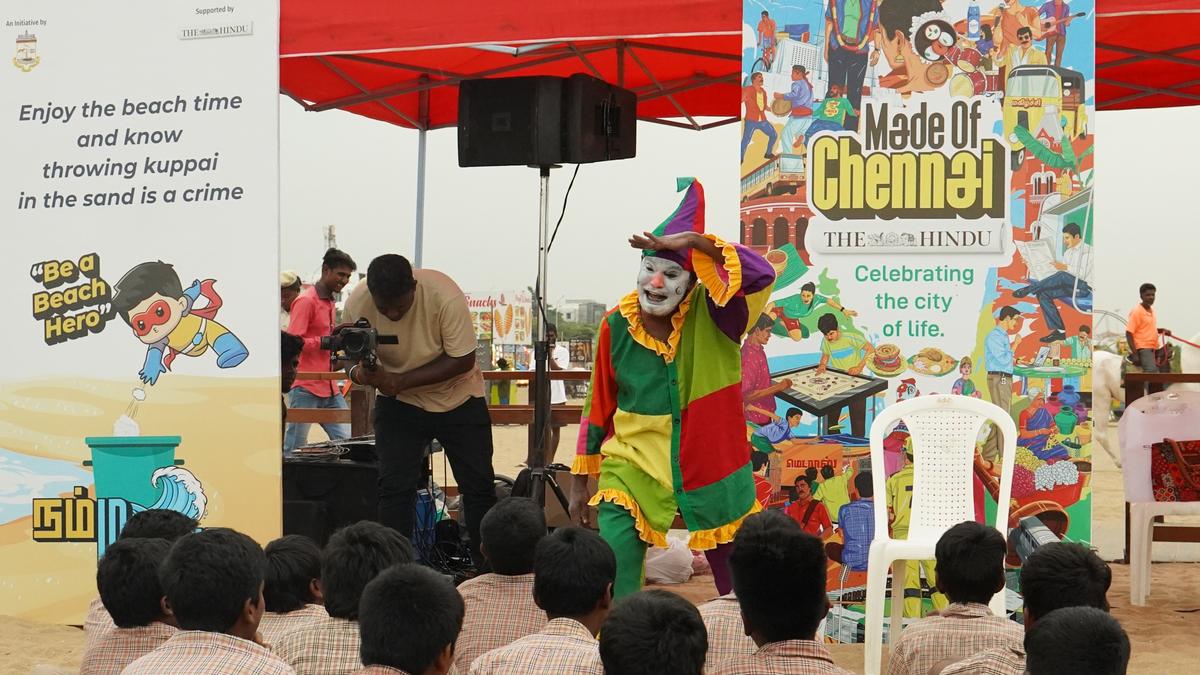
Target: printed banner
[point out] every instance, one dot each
(505, 318)
(140, 195)
(920, 175)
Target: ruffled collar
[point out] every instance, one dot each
(631, 309)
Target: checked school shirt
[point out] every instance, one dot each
(199, 652)
(664, 424)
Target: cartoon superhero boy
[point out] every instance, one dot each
(167, 318)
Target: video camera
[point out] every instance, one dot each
(356, 344)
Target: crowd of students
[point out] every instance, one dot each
(177, 599)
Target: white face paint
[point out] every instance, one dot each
(662, 284)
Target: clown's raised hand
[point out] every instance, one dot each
(648, 241)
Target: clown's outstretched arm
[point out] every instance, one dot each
(738, 282)
(153, 366)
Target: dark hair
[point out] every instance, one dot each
(1071, 229)
(1006, 312)
(811, 474)
(408, 615)
(290, 346)
(158, 524)
(209, 576)
(390, 276)
(1061, 575)
(1084, 328)
(293, 562)
(1076, 640)
(827, 471)
(653, 632)
(758, 459)
(143, 281)
(801, 478)
(863, 484)
(353, 556)
(799, 69)
(897, 15)
(335, 258)
(826, 323)
(792, 412)
(771, 546)
(764, 12)
(970, 562)
(551, 328)
(1025, 30)
(1146, 287)
(510, 532)
(810, 287)
(127, 576)
(765, 322)
(755, 74)
(573, 569)
(986, 31)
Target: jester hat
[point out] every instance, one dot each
(687, 217)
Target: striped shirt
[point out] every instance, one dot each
(726, 633)
(563, 646)
(199, 652)
(327, 646)
(275, 625)
(115, 648)
(96, 622)
(1007, 660)
(499, 610)
(379, 670)
(961, 629)
(789, 657)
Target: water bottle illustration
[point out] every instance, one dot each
(973, 21)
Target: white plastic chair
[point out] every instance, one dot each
(1150, 419)
(943, 429)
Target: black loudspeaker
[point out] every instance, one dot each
(319, 496)
(541, 121)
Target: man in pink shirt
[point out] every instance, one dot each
(313, 317)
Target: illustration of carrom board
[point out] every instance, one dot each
(827, 392)
(820, 386)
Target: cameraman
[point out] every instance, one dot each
(429, 387)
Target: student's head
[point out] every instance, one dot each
(827, 472)
(158, 524)
(293, 577)
(803, 487)
(149, 298)
(353, 556)
(213, 582)
(771, 546)
(289, 289)
(828, 325)
(409, 619)
(653, 632)
(1076, 640)
(392, 285)
(760, 332)
(289, 359)
(1148, 293)
(127, 576)
(863, 485)
(794, 417)
(758, 460)
(336, 269)
(1007, 318)
(509, 534)
(573, 573)
(1061, 575)
(1071, 235)
(970, 563)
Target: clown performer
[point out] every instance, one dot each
(663, 426)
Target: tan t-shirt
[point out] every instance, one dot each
(438, 323)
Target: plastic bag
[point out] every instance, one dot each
(671, 565)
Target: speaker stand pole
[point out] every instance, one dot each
(540, 391)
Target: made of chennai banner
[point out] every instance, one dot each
(139, 196)
(920, 175)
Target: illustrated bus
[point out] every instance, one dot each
(782, 175)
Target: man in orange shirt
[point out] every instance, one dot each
(1142, 333)
(755, 98)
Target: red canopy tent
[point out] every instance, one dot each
(1147, 53)
(401, 62)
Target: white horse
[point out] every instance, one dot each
(1106, 387)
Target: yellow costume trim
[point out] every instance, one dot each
(645, 532)
(720, 290)
(706, 540)
(586, 464)
(632, 311)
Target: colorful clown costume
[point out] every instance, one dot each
(663, 424)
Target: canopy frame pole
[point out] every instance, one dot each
(422, 133)
(655, 82)
(354, 83)
(1150, 90)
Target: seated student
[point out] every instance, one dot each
(293, 586)
(726, 633)
(127, 577)
(213, 584)
(353, 557)
(573, 573)
(782, 619)
(500, 606)
(970, 570)
(653, 632)
(1077, 640)
(1056, 575)
(149, 524)
(409, 618)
